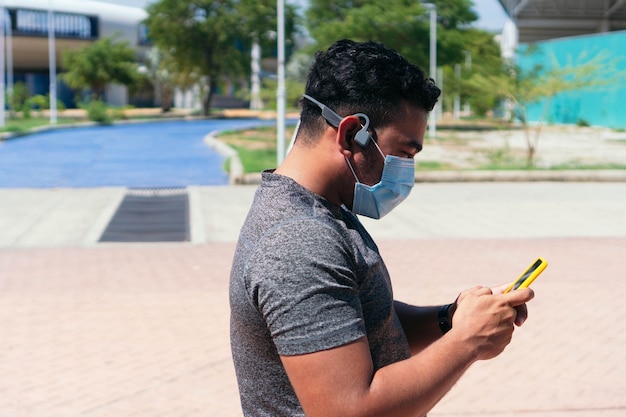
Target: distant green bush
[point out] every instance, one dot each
(97, 111)
(18, 99)
(582, 123)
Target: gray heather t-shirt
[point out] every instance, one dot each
(306, 277)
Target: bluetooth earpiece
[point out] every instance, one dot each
(362, 137)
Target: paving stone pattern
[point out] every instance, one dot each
(141, 330)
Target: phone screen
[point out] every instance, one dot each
(526, 274)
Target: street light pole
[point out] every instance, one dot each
(255, 90)
(6, 89)
(2, 68)
(9, 53)
(280, 93)
(432, 125)
(52, 63)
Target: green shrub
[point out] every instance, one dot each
(38, 102)
(97, 111)
(582, 123)
(18, 100)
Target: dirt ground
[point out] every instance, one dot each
(570, 146)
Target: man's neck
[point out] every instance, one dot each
(312, 170)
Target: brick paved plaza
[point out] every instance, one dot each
(112, 330)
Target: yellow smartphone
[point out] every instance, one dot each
(529, 275)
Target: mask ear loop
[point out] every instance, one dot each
(352, 169)
(293, 137)
(372, 140)
(379, 150)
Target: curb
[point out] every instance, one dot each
(490, 176)
(236, 174)
(607, 175)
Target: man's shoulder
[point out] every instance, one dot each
(281, 199)
(285, 213)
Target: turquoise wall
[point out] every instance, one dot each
(600, 107)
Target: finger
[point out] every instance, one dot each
(475, 291)
(500, 288)
(481, 290)
(519, 296)
(522, 314)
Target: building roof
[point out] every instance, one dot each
(106, 11)
(548, 19)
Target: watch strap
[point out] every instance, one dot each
(443, 318)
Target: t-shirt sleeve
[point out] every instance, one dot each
(302, 280)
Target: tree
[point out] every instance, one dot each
(400, 24)
(213, 38)
(522, 87)
(404, 25)
(482, 56)
(105, 61)
(161, 70)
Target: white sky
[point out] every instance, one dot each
(490, 12)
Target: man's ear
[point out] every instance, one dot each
(346, 133)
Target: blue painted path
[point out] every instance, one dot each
(151, 155)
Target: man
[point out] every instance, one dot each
(314, 327)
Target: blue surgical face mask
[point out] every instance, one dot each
(394, 187)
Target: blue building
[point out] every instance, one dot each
(601, 105)
(76, 23)
(565, 31)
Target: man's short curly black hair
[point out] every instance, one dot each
(364, 77)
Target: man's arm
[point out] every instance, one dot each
(420, 324)
(342, 382)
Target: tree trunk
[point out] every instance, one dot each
(208, 96)
(206, 102)
(166, 98)
(97, 92)
(530, 156)
(530, 148)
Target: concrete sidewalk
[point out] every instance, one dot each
(74, 217)
(90, 329)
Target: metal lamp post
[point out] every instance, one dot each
(280, 93)
(52, 61)
(432, 125)
(2, 68)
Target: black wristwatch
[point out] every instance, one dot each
(444, 319)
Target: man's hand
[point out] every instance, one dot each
(485, 318)
(522, 310)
